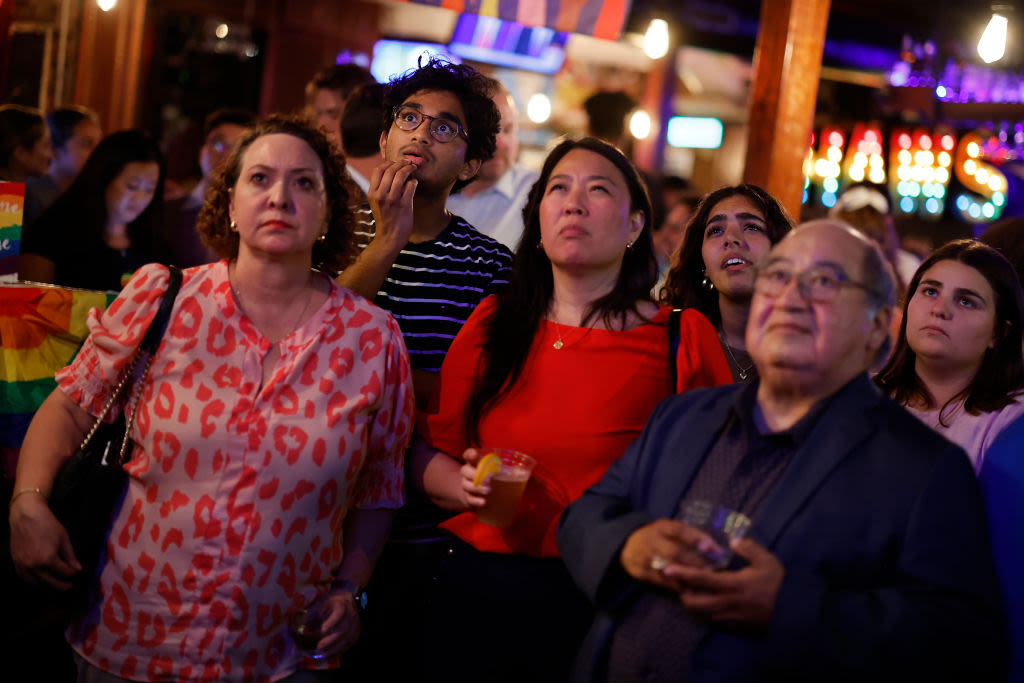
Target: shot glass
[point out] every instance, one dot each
(720, 523)
(507, 487)
(306, 628)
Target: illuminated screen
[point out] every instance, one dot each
(506, 43)
(394, 57)
(698, 132)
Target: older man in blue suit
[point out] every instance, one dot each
(867, 559)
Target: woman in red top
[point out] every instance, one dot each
(565, 365)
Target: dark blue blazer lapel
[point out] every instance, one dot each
(840, 430)
(694, 430)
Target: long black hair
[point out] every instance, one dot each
(84, 203)
(522, 305)
(1001, 374)
(683, 284)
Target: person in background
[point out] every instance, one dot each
(280, 487)
(74, 133)
(867, 209)
(221, 131)
(867, 558)
(103, 227)
(564, 365)
(326, 93)
(1002, 485)
(361, 127)
(606, 116)
(493, 202)
(957, 365)
(676, 190)
(25, 149)
(1007, 237)
(669, 236)
(714, 271)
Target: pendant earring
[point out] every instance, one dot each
(706, 283)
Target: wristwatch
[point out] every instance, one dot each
(357, 591)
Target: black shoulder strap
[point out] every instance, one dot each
(673, 344)
(156, 328)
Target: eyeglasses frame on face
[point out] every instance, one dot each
(459, 130)
(803, 287)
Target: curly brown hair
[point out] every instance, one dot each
(337, 249)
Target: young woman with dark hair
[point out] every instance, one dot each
(957, 364)
(103, 227)
(565, 365)
(733, 229)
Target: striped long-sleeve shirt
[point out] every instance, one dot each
(433, 286)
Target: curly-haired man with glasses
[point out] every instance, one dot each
(426, 266)
(429, 268)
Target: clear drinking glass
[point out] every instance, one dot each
(720, 523)
(306, 627)
(507, 487)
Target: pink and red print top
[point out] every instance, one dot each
(238, 493)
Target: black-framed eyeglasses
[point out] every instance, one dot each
(820, 285)
(441, 129)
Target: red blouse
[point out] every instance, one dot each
(575, 410)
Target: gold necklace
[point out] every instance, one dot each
(560, 344)
(743, 371)
(309, 297)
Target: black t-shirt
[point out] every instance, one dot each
(82, 262)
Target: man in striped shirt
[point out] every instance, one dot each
(426, 266)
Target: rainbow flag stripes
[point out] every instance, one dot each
(41, 328)
(12, 207)
(598, 18)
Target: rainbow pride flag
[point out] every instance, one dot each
(41, 329)
(598, 18)
(12, 208)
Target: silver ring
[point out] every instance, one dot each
(658, 563)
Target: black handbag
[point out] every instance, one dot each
(91, 485)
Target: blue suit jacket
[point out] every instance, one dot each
(877, 521)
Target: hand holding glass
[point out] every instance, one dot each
(507, 487)
(720, 523)
(306, 627)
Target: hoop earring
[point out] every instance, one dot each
(233, 226)
(706, 283)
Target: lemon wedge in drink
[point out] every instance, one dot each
(488, 466)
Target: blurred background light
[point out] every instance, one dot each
(538, 108)
(699, 132)
(656, 39)
(640, 124)
(992, 45)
